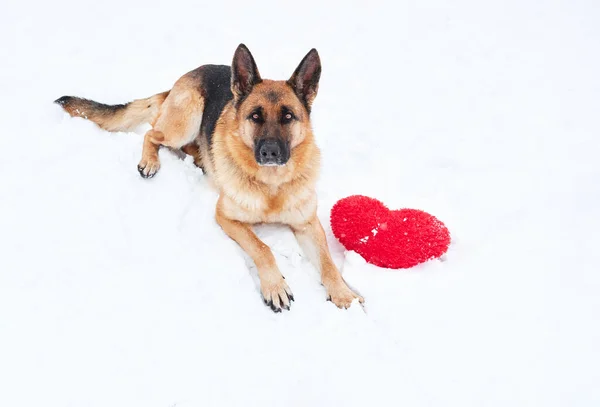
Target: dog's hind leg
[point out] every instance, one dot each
(176, 126)
(150, 163)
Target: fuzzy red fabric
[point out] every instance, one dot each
(393, 239)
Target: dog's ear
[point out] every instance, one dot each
(305, 80)
(244, 73)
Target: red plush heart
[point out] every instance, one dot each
(393, 239)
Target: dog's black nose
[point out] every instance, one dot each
(269, 152)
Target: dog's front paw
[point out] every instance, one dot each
(148, 167)
(276, 294)
(341, 295)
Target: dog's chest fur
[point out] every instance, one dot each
(290, 204)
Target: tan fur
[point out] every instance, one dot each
(150, 163)
(272, 284)
(176, 124)
(311, 238)
(249, 193)
(193, 149)
(127, 119)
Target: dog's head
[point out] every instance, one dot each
(273, 116)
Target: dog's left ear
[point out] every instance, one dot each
(305, 80)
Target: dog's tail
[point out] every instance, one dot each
(125, 117)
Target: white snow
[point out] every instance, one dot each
(123, 292)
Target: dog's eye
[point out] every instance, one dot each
(256, 117)
(287, 117)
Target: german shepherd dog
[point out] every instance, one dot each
(253, 137)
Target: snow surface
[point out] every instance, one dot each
(123, 292)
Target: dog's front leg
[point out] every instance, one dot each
(311, 238)
(273, 287)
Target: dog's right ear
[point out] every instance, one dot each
(244, 73)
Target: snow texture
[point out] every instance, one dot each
(123, 292)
